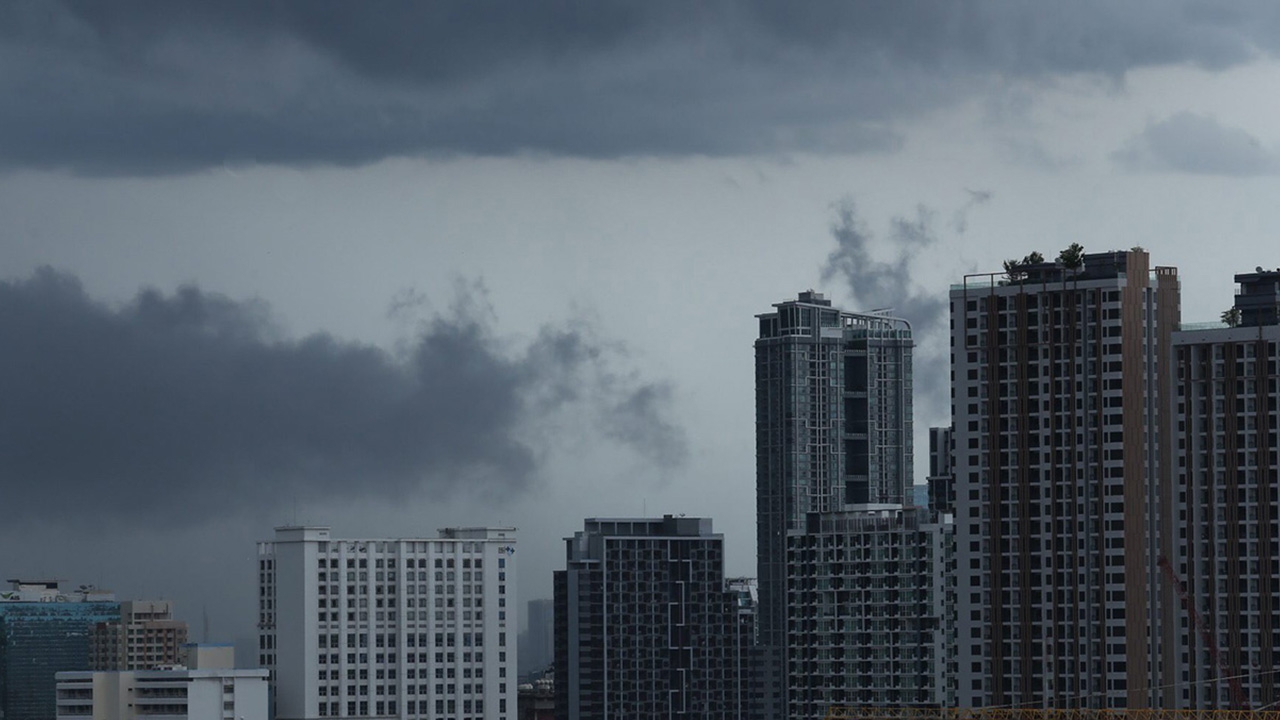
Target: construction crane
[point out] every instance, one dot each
(1238, 699)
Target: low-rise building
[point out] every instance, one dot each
(208, 687)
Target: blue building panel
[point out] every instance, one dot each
(37, 640)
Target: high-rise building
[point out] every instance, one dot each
(45, 630)
(646, 626)
(206, 685)
(404, 628)
(144, 638)
(868, 621)
(833, 431)
(1060, 376)
(1226, 491)
(942, 491)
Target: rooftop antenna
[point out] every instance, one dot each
(205, 624)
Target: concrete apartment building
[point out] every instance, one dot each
(1226, 491)
(145, 637)
(1059, 402)
(205, 687)
(646, 625)
(868, 619)
(390, 628)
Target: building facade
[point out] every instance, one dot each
(1226, 490)
(941, 480)
(833, 430)
(145, 637)
(405, 628)
(1060, 377)
(868, 623)
(208, 687)
(45, 630)
(646, 626)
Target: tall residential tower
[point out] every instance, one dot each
(833, 433)
(1059, 376)
(1226, 490)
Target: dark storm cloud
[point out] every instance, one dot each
(191, 405)
(880, 284)
(156, 86)
(1190, 143)
(876, 284)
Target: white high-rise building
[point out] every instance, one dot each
(407, 628)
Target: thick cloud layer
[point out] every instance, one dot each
(1198, 144)
(191, 406)
(160, 86)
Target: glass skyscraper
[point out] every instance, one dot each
(43, 631)
(833, 433)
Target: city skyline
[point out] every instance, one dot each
(616, 192)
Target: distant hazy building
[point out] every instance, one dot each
(646, 627)
(206, 687)
(1226, 489)
(405, 628)
(941, 479)
(833, 430)
(145, 637)
(1060, 382)
(44, 630)
(537, 646)
(869, 620)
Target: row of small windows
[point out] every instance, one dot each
(441, 658)
(390, 564)
(383, 708)
(354, 640)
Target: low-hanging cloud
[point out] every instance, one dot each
(193, 405)
(1196, 144)
(893, 284)
(145, 86)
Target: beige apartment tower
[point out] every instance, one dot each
(146, 637)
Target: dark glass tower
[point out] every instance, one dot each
(43, 631)
(833, 432)
(646, 625)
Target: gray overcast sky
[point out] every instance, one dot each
(399, 266)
